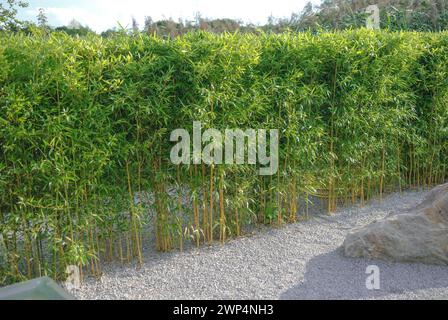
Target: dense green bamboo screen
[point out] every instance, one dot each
(85, 174)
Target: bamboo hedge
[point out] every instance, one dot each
(85, 174)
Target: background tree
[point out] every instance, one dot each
(148, 25)
(420, 15)
(8, 14)
(135, 27)
(110, 33)
(75, 28)
(42, 20)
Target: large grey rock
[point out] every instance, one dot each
(419, 234)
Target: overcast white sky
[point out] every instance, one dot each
(103, 14)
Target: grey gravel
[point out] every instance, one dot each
(300, 261)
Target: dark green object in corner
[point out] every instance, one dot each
(42, 288)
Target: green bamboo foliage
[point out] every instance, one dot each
(85, 174)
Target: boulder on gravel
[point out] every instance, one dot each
(418, 234)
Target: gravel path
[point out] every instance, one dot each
(299, 261)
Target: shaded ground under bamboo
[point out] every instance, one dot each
(300, 261)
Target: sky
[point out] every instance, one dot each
(101, 15)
